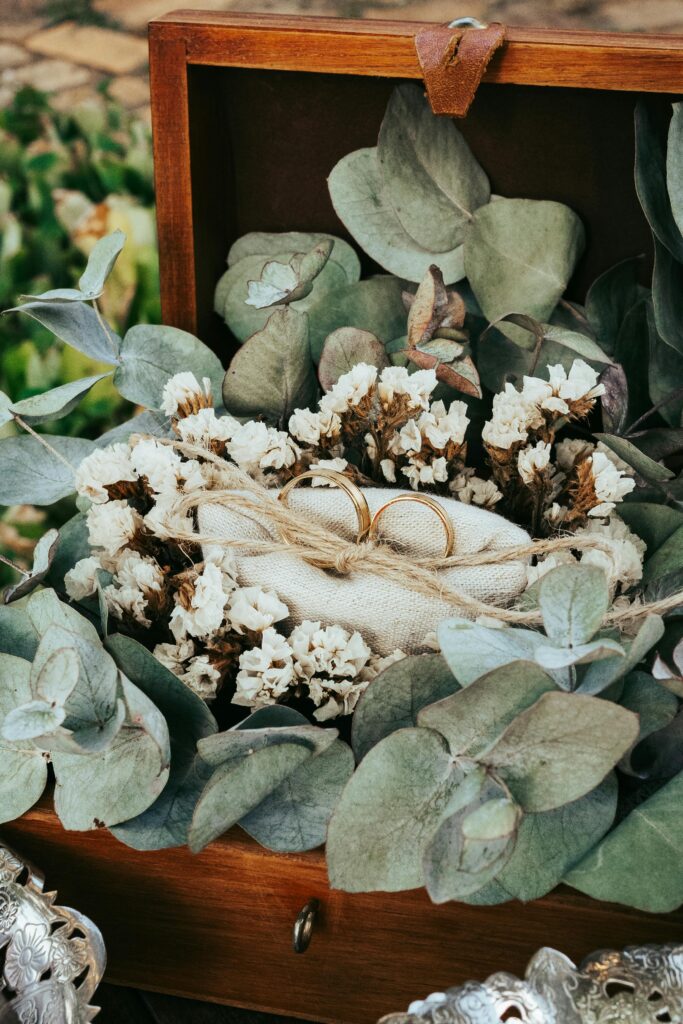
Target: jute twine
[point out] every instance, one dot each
(325, 549)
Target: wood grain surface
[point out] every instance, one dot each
(218, 926)
(652, 63)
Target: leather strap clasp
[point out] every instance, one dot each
(453, 62)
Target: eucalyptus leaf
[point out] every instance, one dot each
(472, 650)
(674, 165)
(374, 305)
(239, 785)
(430, 176)
(364, 204)
(272, 373)
(602, 674)
(78, 325)
(579, 345)
(573, 600)
(555, 658)
(54, 404)
(32, 475)
(632, 354)
(645, 467)
(31, 720)
(232, 293)
(649, 837)
(653, 523)
(23, 768)
(44, 609)
(72, 545)
(665, 372)
(43, 556)
(295, 815)
(155, 424)
(651, 178)
(474, 717)
(121, 781)
(54, 672)
(166, 822)
(17, 633)
(614, 399)
(520, 255)
(655, 706)
(152, 354)
(232, 746)
(610, 298)
(666, 559)
(390, 810)
(550, 843)
(271, 244)
(343, 349)
(286, 282)
(394, 698)
(667, 292)
(101, 262)
(472, 846)
(560, 748)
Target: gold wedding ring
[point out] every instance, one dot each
(421, 499)
(367, 523)
(350, 489)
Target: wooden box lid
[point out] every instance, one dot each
(251, 112)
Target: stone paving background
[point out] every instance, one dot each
(68, 47)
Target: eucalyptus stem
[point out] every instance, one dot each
(671, 397)
(39, 437)
(103, 324)
(12, 565)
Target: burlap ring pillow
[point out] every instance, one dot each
(387, 614)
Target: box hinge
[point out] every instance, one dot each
(453, 59)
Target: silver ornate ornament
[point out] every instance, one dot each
(51, 958)
(641, 985)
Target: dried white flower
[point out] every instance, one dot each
(255, 445)
(611, 485)
(546, 563)
(335, 698)
(473, 490)
(533, 461)
(81, 581)
(338, 465)
(309, 427)
(581, 381)
(388, 468)
(622, 466)
(174, 656)
(206, 610)
(351, 388)
(330, 651)
(570, 451)
(266, 673)
(158, 463)
(396, 381)
(112, 526)
(165, 520)
(623, 563)
(406, 441)
(420, 472)
(513, 417)
(204, 427)
(201, 677)
(136, 571)
(253, 609)
(103, 468)
(441, 428)
(183, 395)
(127, 601)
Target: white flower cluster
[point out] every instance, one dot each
(621, 560)
(327, 664)
(517, 413)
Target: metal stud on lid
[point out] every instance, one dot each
(467, 23)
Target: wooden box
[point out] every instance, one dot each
(250, 114)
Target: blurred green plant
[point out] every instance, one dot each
(67, 179)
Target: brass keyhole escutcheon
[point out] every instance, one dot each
(304, 925)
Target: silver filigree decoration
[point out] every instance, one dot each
(641, 985)
(51, 958)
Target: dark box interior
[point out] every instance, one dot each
(263, 143)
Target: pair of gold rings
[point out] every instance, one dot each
(367, 523)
